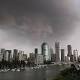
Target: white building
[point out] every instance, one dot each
(6, 54)
(46, 52)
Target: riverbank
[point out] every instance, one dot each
(39, 67)
(68, 74)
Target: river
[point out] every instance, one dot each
(40, 74)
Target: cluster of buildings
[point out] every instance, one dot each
(49, 56)
(15, 55)
(46, 56)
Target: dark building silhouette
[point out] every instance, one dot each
(69, 48)
(57, 51)
(15, 54)
(62, 55)
(72, 58)
(3, 51)
(53, 57)
(36, 52)
(32, 58)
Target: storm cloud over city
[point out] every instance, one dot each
(25, 24)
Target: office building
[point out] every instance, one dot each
(75, 54)
(32, 58)
(57, 51)
(69, 49)
(72, 58)
(1, 57)
(15, 55)
(39, 59)
(24, 57)
(9, 55)
(53, 57)
(62, 55)
(3, 51)
(67, 59)
(20, 56)
(6, 55)
(46, 52)
(36, 52)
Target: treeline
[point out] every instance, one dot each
(12, 64)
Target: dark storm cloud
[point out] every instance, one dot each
(37, 19)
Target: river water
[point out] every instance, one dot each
(40, 74)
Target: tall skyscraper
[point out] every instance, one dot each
(57, 51)
(53, 56)
(15, 55)
(62, 55)
(75, 54)
(69, 48)
(3, 51)
(36, 55)
(32, 58)
(46, 52)
(9, 55)
(36, 52)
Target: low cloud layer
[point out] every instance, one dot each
(29, 22)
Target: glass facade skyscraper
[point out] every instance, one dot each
(46, 52)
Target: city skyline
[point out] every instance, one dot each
(46, 55)
(29, 23)
(68, 49)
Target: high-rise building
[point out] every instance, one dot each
(15, 55)
(67, 59)
(62, 55)
(36, 55)
(75, 54)
(3, 51)
(46, 52)
(1, 57)
(9, 55)
(57, 51)
(72, 58)
(39, 59)
(24, 57)
(36, 52)
(6, 55)
(32, 58)
(20, 56)
(79, 58)
(69, 48)
(53, 57)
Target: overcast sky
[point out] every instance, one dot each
(25, 24)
